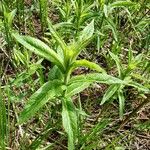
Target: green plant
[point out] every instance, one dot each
(61, 85)
(20, 13)
(3, 122)
(126, 74)
(43, 13)
(7, 23)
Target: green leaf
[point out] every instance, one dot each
(85, 37)
(112, 26)
(105, 10)
(134, 62)
(79, 46)
(130, 55)
(48, 91)
(57, 37)
(139, 87)
(118, 63)
(40, 48)
(69, 117)
(55, 73)
(81, 82)
(63, 24)
(19, 56)
(96, 77)
(87, 32)
(10, 17)
(88, 64)
(121, 103)
(122, 4)
(76, 87)
(109, 93)
(43, 4)
(26, 74)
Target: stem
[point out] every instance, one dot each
(67, 77)
(43, 13)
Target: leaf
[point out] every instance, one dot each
(40, 48)
(10, 17)
(87, 32)
(130, 55)
(26, 74)
(55, 73)
(76, 87)
(122, 4)
(139, 87)
(138, 76)
(118, 63)
(135, 62)
(96, 77)
(69, 117)
(79, 46)
(57, 37)
(81, 82)
(48, 91)
(121, 103)
(20, 57)
(85, 37)
(105, 9)
(112, 26)
(109, 93)
(64, 24)
(88, 64)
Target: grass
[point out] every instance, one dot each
(80, 80)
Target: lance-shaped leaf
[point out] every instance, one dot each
(79, 46)
(87, 32)
(110, 92)
(112, 26)
(81, 82)
(10, 16)
(88, 64)
(40, 48)
(121, 103)
(69, 117)
(76, 87)
(122, 4)
(85, 37)
(26, 73)
(139, 86)
(96, 77)
(57, 37)
(118, 63)
(48, 91)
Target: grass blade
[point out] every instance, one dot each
(3, 122)
(121, 103)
